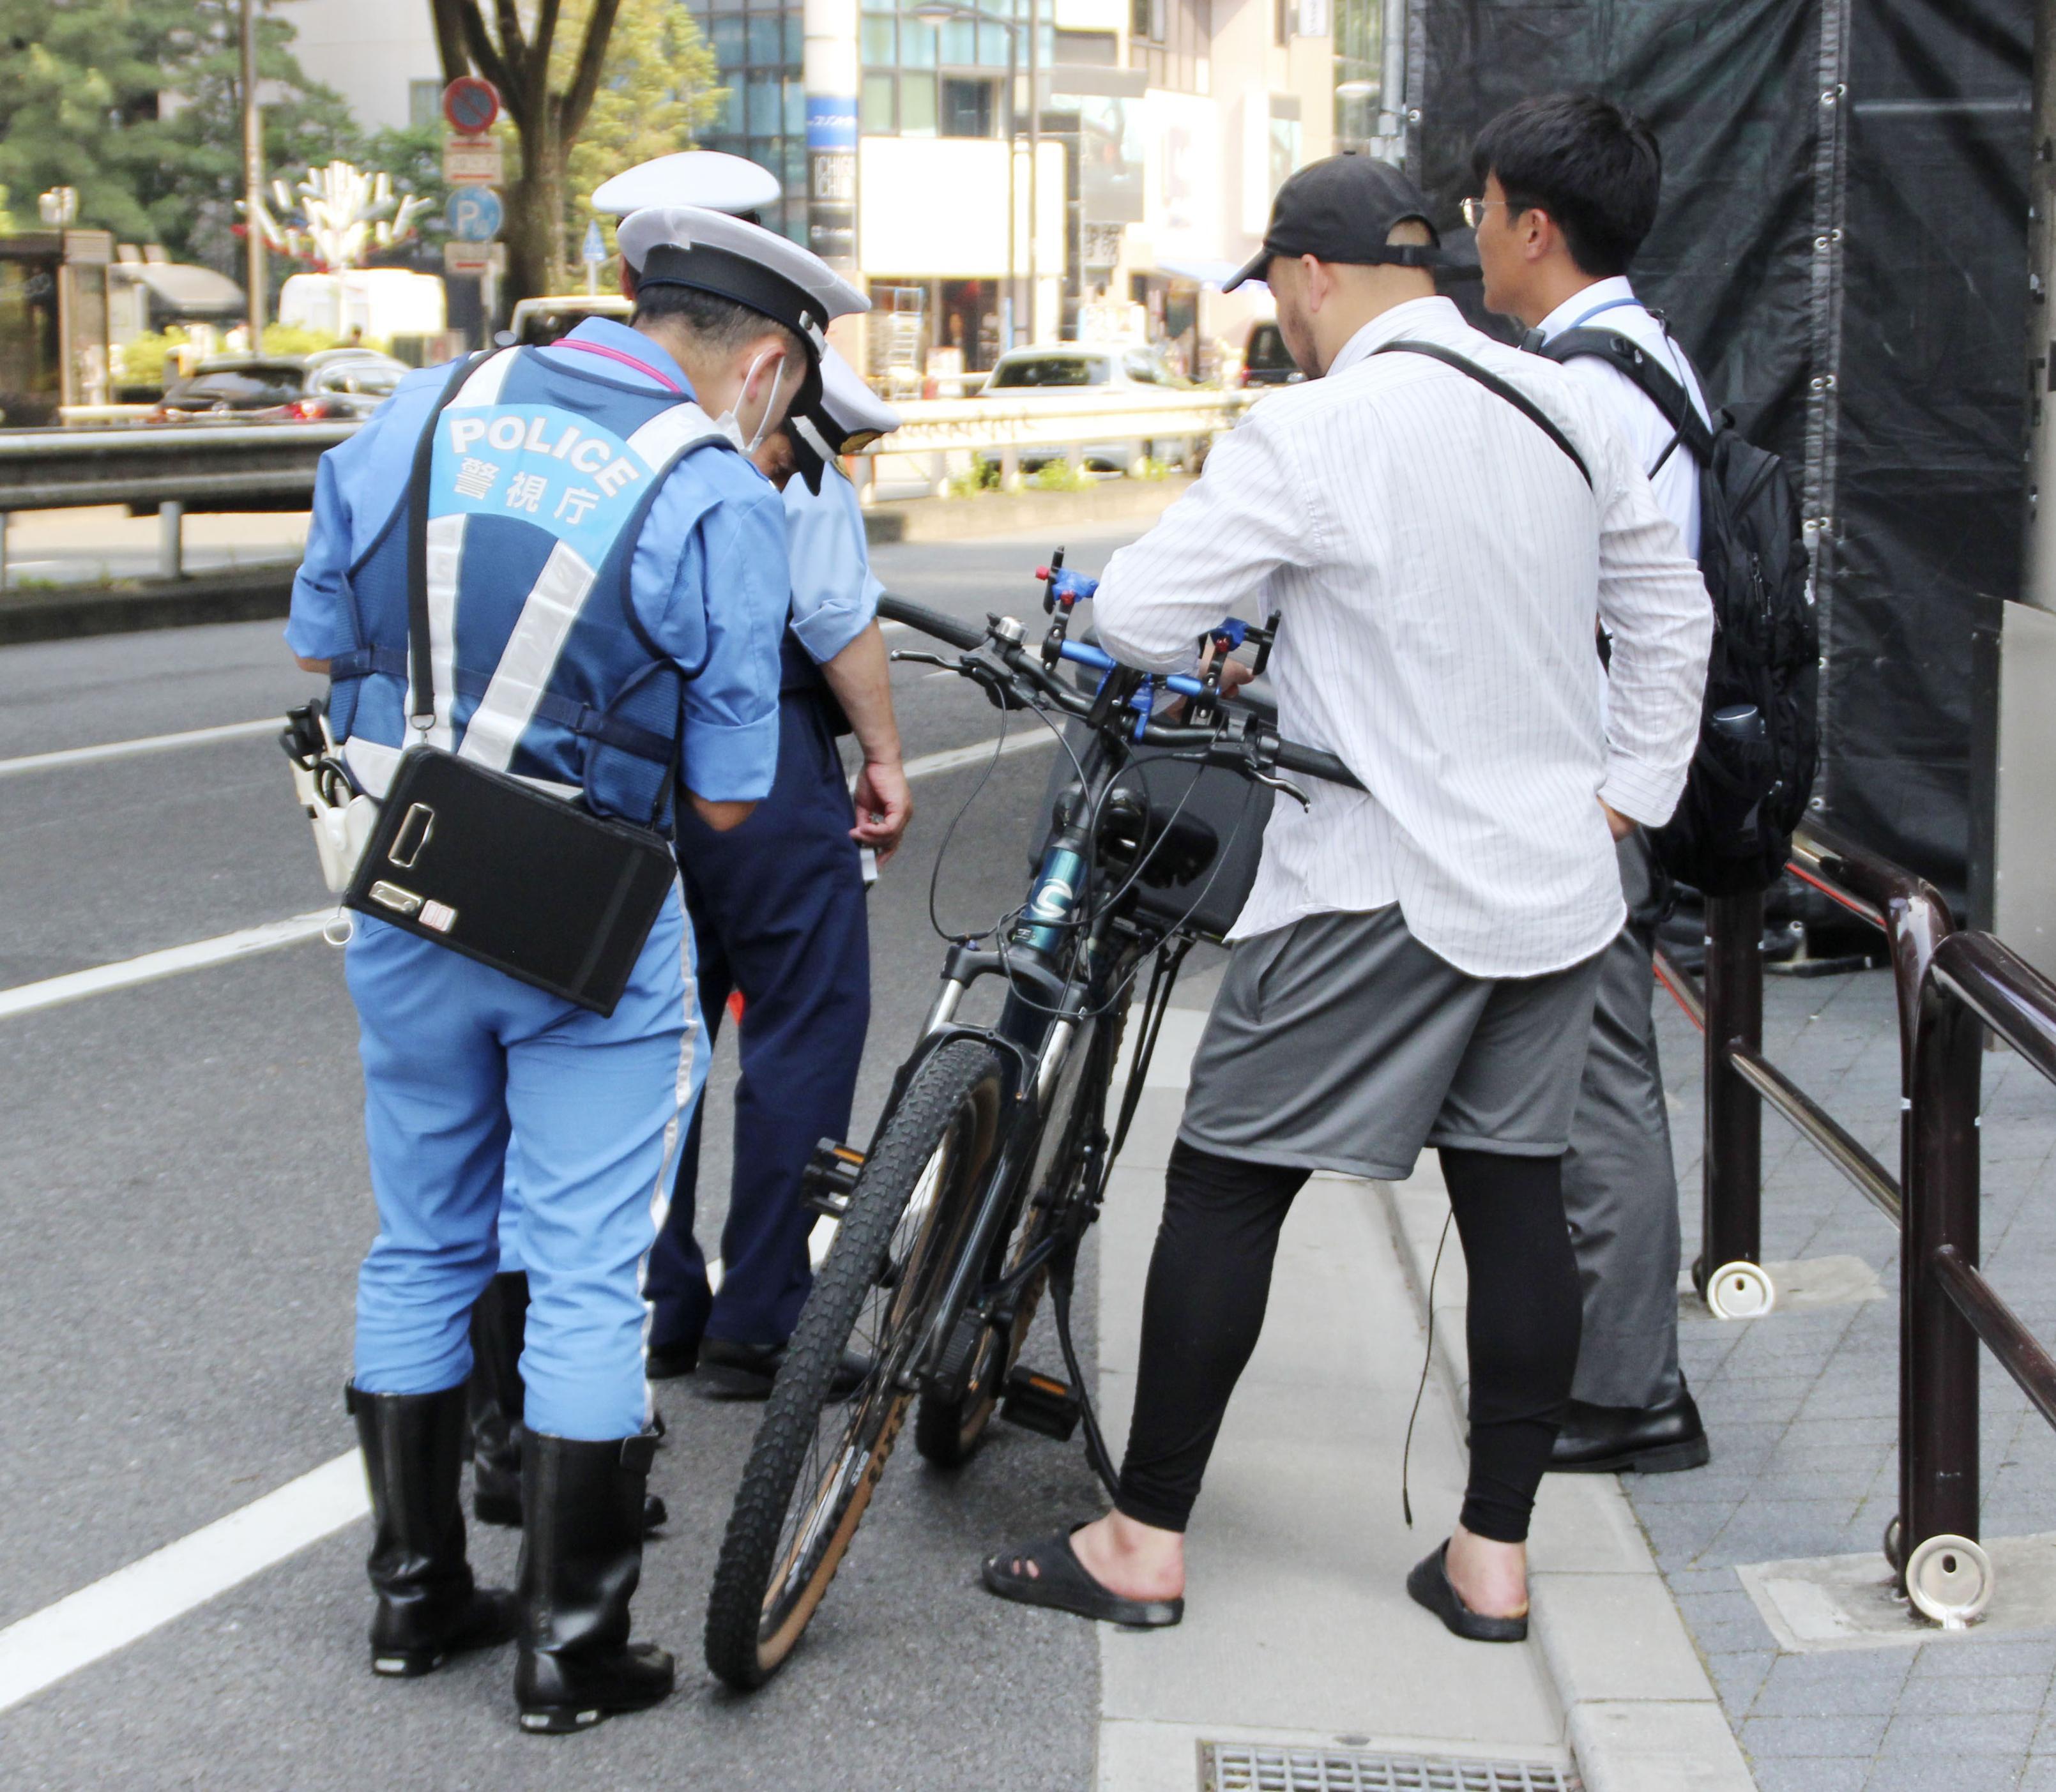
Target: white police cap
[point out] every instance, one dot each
(702, 177)
(847, 416)
(709, 251)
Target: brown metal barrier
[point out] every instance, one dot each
(1946, 1305)
(1740, 1079)
(1951, 986)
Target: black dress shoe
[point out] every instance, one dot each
(1615, 1440)
(732, 1371)
(664, 1363)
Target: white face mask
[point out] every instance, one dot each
(730, 418)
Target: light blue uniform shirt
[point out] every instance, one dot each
(835, 597)
(709, 574)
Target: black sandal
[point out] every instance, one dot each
(1430, 1585)
(1063, 1584)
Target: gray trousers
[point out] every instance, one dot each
(1620, 1186)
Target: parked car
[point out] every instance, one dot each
(1081, 369)
(333, 384)
(1266, 361)
(538, 322)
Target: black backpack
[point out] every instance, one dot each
(1749, 784)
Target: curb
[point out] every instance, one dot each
(255, 593)
(1639, 1713)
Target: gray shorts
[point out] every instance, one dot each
(1341, 1043)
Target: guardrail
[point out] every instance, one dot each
(1951, 986)
(178, 466)
(171, 467)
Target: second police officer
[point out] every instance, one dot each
(779, 914)
(591, 532)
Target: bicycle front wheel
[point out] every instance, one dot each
(821, 1447)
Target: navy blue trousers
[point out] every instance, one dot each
(777, 911)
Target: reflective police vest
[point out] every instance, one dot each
(538, 479)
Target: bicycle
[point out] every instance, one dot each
(990, 1159)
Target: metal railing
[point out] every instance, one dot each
(1951, 987)
(172, 467)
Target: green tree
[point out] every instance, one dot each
(138, 103)
(551, 62)
(660, 87)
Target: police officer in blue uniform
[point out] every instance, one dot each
(714, 182)
(606, 587)
(779, 917)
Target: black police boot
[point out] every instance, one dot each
(497, 1323)
(581, 1558)
(429, 1606)
(1648, 1440)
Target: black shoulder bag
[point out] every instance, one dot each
(483, 862)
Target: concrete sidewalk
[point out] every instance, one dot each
(1302, 1663)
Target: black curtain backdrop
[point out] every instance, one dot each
(1843, 250)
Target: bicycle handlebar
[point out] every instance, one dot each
(1237, 753)
(931, 622)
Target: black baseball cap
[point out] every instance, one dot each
(1342, 209)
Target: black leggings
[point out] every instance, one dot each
(1210, 1277)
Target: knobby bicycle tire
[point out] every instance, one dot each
(766, 1589)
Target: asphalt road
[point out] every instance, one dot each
(184, 1204)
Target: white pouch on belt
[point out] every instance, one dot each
(342, 816)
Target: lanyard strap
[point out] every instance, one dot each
(627, 360)
(1611, 305)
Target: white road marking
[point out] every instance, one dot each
(130, 749)
(1029, 735)
(75, 985)
(40, 1649)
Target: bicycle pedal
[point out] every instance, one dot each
(1041, 1403)
(829, 1176)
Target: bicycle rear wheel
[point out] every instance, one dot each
(817, 1456)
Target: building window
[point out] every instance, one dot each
(879, 114)
(917, 105)
(424, 103)
(758, 45)
(967, 108)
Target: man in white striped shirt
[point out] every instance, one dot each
(1417, 961)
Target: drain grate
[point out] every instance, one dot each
(1248, 1767)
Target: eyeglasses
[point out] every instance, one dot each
(1474, 209)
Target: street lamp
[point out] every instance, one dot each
(938, 13)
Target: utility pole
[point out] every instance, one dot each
(1035, 166)
(253, 181)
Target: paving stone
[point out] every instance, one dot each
(1975, 1773)
(1974, 1695)
(1737, 1674)
(1986, 1733)
(1849, 1734)
(1851, 1682)
(1814, 1773)
(2000, 1655)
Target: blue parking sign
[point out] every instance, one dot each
(474, 214)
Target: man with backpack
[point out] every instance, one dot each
(1571, 183)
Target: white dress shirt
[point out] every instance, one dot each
(1437, 565)
(1611, 305)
